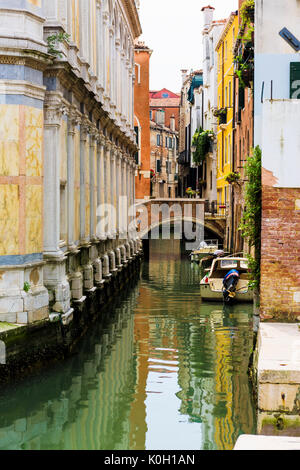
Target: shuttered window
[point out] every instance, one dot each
(295, 80)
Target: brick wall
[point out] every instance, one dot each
(280, 261)
(142, 114)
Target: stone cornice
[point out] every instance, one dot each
(133, 17)
(16, 87)
(226, 29)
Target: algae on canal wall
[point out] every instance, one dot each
(26, 348)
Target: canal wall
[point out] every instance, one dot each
(276, 379)
(26, 348)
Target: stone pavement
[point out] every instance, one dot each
(250, 442)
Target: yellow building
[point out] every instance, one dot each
(225, 110)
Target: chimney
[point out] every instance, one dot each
(208, 13)
(172, 123)
(160, 117)
(184, 75)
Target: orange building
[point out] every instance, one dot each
(142, 56)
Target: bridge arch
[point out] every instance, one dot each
(187, 214)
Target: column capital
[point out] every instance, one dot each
(74, 119)
(107, 144)
(53, 112)
(101, 139)
(84, 128)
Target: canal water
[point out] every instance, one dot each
(160, 370)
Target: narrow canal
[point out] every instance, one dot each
(161, 370)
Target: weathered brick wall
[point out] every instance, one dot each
(280, 261)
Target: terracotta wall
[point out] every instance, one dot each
(142, 117)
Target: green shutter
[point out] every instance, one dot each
(295, 80)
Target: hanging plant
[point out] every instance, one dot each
(221, 114)
(244, 70)
(202, 141)
(233, 177)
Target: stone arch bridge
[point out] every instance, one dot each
(191, 217)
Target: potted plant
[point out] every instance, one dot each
(221, 114)
(233, 177)
(190, 192)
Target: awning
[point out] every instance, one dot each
(197, 81)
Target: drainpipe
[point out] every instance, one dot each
(233, 164)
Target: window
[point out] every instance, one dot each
(225, 50)
(229, 149)
(225, 150)
(158, 166)
(166, 145)
(158, 140)
(151, 114)
(170, 142)
(226, 97)
(229, 97)
(226, 195)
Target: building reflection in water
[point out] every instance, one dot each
(160, 371)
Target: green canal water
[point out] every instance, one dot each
(160, 370)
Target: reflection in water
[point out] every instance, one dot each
(160, 371)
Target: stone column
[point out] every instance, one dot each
(102, 184)
(118, 192)
(84, 129)
(112, 191)
(73, 121)
(107, 179)
(124, 197)
(118, 82)
(55, 278)
(52, 123)
(93, 183)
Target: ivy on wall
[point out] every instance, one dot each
(251, 220)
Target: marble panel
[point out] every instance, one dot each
(9, 217)
(34, 208)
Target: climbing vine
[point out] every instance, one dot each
(244, 60)
(251, 220)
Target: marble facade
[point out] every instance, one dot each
(67, 147)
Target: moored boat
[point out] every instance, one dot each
(206, 248)
(227, 280)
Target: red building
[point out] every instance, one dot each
(167, 101)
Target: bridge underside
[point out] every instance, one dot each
(184, 217)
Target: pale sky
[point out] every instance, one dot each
(172, 29)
